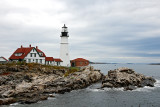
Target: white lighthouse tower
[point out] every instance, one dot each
(64, 51)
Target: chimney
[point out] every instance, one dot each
(30, 45)
(21, 46)
(36, 47)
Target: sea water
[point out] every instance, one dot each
(93, 97)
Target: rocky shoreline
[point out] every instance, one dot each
(30, 83)
(24, 85)
(126, 78)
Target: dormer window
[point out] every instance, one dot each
(41, 54)
(18, 54)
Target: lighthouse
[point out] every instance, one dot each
(64, 51)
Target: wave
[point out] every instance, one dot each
(95, 90)
(149, 89)
(157, 84)
(51, 98)
(114, 89)
(105, 89)
(144, 89)
(14, 104)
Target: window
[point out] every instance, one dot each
(40, 60)
(33, 50)
(31, 55)
(81, 63)
(35, 55)
(58, 63)
(33, 60)
(41, 54)
(29, 60)
(36, 60)
(18, 54)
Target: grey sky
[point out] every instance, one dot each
(100, 30)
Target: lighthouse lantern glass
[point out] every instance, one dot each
(64, 29)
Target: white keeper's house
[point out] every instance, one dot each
(33, 55)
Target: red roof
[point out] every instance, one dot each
(49, 59)
(79, 59)
(4, 58)
(24, 51)
(58, 60)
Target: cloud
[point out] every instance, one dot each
(103, 30)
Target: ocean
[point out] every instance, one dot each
(93, 97)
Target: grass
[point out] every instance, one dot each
(71, 70)
(34, 65)
(15, 63)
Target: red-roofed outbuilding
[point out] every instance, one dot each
(58, 61)
(78, 62)
(49, 61)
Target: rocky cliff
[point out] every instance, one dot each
(31, 83)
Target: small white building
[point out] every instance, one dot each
(32, 55)
(3, 60)
(49, 61)
(58, 61)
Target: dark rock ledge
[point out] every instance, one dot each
(127, 78)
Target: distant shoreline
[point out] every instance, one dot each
(98, 63)
(154, 64)
(124, 63)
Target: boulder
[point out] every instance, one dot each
(7, 101)
(127, 78)
(130, 87)
(148, 81)
(33, 98)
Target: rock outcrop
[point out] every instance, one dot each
(127, 78)
(25, 84)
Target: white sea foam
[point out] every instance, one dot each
(95, 90)
(113, 89)
(149, 89)
(144, 89)
(157, 84)
(14, 104)
(105, 89)
(51, 98)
